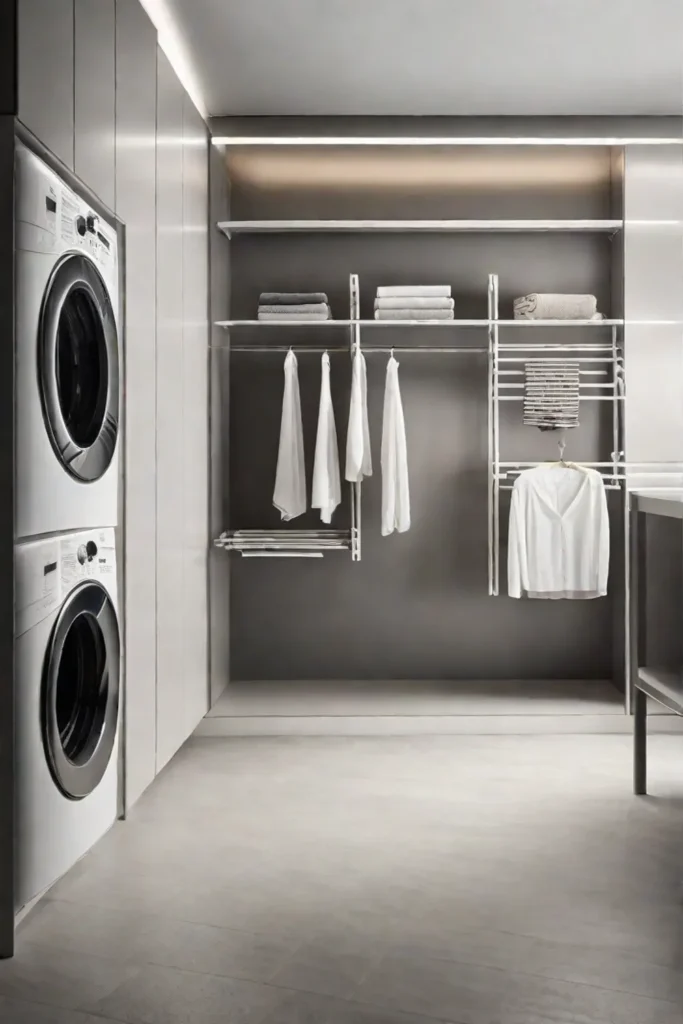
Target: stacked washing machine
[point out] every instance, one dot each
(67, 639)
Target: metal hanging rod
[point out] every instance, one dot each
(317, 349)
(581, 359)
(533, 347)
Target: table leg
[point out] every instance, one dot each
(639, 742)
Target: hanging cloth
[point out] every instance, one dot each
(358, 455)
(326, 481)
(289, 496)
(395, 490)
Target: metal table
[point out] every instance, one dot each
(663, 685)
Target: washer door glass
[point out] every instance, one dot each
(80, 697)
(78, 360)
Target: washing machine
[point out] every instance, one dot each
(67, 664)
(67, 357)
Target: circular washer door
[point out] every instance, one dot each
(78, 368)
(80, 695)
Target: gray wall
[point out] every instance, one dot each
(89, 92)
(417, 605)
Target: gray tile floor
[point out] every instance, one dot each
(469, 880)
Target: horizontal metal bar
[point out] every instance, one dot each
(366, 349)
(520, 373)
(281, 554)
(587, 384)
(584, 398)
(531, 347)
(560, 323)
(581, 359)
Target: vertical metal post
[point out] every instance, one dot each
(489, 425)
(496, 446)
(354, 346)
(638, 648)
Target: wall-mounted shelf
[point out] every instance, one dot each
(255, 227)
(417, 323)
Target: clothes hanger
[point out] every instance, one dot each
(561, 445)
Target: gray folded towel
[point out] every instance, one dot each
(555, 307)
(291, 298)
(284, 318)
(414, 314)
(294, 310)
(423, 290)
(414, 302)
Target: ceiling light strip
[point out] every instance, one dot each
(479, 140)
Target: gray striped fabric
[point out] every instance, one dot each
(551, 394)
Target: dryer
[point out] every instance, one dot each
(67, 357)
(67, 669)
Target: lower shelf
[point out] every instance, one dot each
(664, 686)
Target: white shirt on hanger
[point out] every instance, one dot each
(289, 496)
(558, 545)
(395, 489)
(326, 482)
(358, 455)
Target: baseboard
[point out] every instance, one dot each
(430, 725)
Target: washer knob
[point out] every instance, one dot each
(81, 225)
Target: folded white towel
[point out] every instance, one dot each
(326, 481)
(293, 309)
(414, 314)
(289, 496)
(555, 307)
(395, 487)
(422, 290)
(358, 455)
(284, 318)
(414, 302)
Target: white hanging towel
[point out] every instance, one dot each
(395, 489)
(289, 496)
(358, 455)
(326, 480)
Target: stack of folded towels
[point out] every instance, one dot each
(284, 306)
(414, 302)
(556, 307)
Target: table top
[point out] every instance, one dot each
(665, 503)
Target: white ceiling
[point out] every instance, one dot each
(439, 57)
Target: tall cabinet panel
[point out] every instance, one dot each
(46, 73)
(171, 712)
(95, 73)
(136, 63)
(195, 454)
(219, 565)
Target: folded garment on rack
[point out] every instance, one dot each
(284, 317)
(294, 308)
(422, 290)
(414, 302)
(555, 307)
(551, 394)
(291, 298)
(414, 314)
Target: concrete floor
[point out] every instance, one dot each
(405, 880)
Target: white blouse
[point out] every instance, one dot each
(558, 544)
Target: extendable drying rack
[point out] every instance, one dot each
(602, 379)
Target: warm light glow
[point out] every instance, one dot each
(173, 44)
(479, 140)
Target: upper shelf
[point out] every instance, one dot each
(247, 227)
